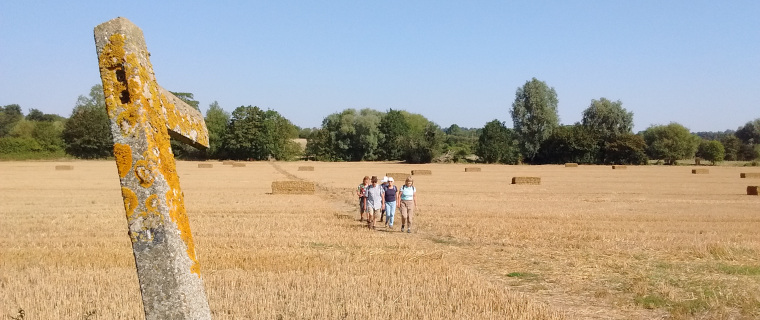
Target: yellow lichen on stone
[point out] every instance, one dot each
(144, 174)
(130, 201)
(123, 155)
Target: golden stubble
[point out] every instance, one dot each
(589, 242)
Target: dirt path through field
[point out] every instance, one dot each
(480, 260)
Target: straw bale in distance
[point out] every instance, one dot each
(205, 165)
(472, 169)
(421, 173)
(700, 171)
(752, 190)
(619, 167)
(64, 167)
(526, 180)
(755, 175)
(238, 164)
(292, 187)
(397, 176)
(571, 165)
(306, 168)
(228, 162)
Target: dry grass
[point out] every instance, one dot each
(292, 187)
(586, 243)
(700, 171)
(398, 176)
(526, 180)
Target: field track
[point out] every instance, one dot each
(588, 242)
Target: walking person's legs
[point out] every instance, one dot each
(390, 211)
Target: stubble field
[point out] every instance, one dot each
(589, 243)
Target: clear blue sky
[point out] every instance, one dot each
(692, 62)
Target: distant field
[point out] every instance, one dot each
(588, 242)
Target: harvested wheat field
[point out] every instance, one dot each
(591, 243)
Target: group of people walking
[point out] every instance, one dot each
(381, 201)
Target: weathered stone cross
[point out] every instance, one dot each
(143, 116)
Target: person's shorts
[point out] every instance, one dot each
(374, 211)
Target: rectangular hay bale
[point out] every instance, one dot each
(228, 162)
(397, 176)
(752, 190)
(526, 180)
(472, 169)
(571, 165)
(306, 168)
(238, 164)
(619, 167)
(205, 165)
(64, 167)
(750, 175)
(293, 187)
(421, 173)
(700, 171)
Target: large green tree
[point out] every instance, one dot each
(731, 145)
(534, 115)
(607, 118)
(750, 132)
(257, 134)
(394, 131)
(87, 133)
(711, 150)
(217, 121)
(670, 142)
(497, 144)
(574, 143)
(353, 135)
(626, 148)
(9, 116)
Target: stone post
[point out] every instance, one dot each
(143, 116)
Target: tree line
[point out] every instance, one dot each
(603, 136)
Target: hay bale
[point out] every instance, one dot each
(238, 165)
(397, 176)
(205, 165)
(64, 167)
(472, 169)
(571, 165)
(421, 173)
(228, 162)
(306, 168)
(619, 167)
(752, 190)
(748, 175)
(293, 187)
(526, 180)
(700, 171)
